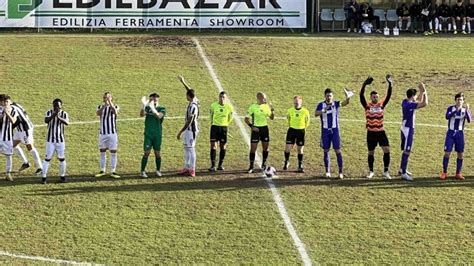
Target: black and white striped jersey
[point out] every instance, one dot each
(108, 120)
(23, 123)
(6, 126)
(192, 114)
(56, 127)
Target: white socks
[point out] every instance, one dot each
(36, 158)
(190, 158)
(8, 168)
(113, 162)
(45, 168)
(62, 168)
(19, 151)
(103, 161)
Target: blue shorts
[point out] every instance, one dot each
(456, 139)
(329, 136)
(406, 134)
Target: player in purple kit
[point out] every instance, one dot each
(328, 110)
(409, 106)
(456, 115)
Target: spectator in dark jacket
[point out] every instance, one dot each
(403, 13)
(352, 9)
(366, 12)
(415, 14)
(444, 15)
(469, 16)
(459, 15)
(428, 15)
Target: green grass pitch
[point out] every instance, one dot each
(231, 218)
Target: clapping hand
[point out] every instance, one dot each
(369, 80)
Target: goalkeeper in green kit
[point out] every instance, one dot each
(154, 115)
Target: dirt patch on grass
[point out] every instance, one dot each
(157, 42)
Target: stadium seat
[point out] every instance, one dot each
(381, 14)
(392, 16)
(340, 16)
(326, 15)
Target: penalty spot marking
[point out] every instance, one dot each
(276, 195)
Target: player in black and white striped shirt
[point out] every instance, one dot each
(8, 117)
(24, 134)
(190, 131)
(56, 119)
(108, 139)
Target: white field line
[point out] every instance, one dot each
(38, 258)
(276, 195)
(241, 117)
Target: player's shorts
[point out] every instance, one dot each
(330, 136)
(52, 147)
(108, 141)
(295, 136)
(375, 138)
(263, 135)
(218, 133)
(25, 137)
(6, 147)
(456, 139)
(444, 19)
(189, 138)
(407, 134)
(152, 141)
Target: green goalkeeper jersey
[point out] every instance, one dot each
(153, 125)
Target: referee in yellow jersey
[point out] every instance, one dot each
(256, 119)
(221, 117)
(298, 121)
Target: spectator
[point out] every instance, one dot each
(415, 14)
(352, 14)
(428, 15)
(469, 15)
(444, 15)
(366, 12)
(459, 15)
(403, 13)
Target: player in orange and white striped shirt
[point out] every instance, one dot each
(374, 112)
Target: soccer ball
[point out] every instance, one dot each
(270, 171)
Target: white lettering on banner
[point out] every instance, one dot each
(154, 14)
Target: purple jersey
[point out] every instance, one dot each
(457, 118)
(329, 119)
(408, 110)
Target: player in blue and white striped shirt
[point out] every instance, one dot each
(328, 110)
(457, 115)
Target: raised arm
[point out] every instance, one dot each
(363, 101)
(183, 81)
(423, 95)
(345, 102)
(389, 90)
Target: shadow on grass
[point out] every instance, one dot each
(228, 181)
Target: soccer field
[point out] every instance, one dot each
(232, 217)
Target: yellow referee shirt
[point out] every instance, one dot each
(298, 118)
(221, 115)
(258, 113)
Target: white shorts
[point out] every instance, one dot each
(59, 148)
(24, 137)
(189, 138)
(109, 141)
(6, 147)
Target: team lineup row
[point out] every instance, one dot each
(16, 128)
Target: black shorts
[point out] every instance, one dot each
(218, 134)
(263, 135)
(375, 138)
(295, 136)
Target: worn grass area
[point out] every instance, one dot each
(231, 218)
